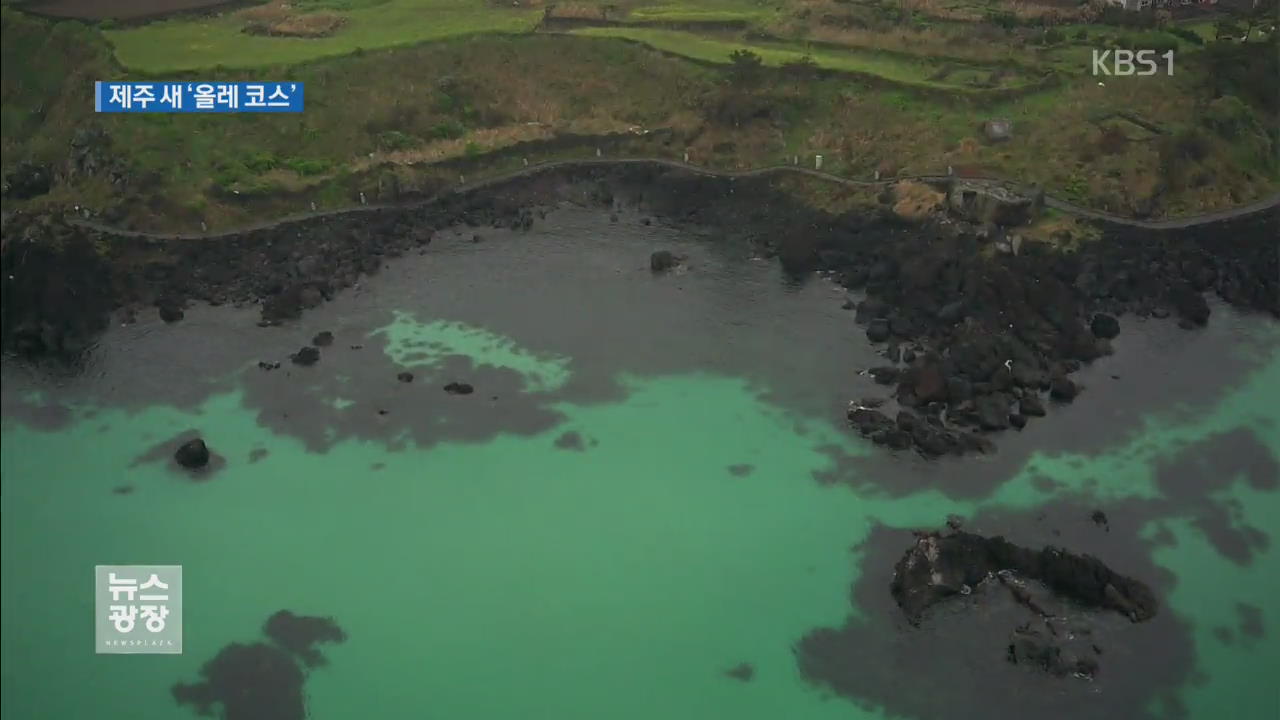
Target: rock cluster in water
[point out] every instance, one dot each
(192, 454)
(980, 330)
(262, 680)
(941, 566)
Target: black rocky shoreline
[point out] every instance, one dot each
(980, 334)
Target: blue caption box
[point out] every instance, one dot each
(197, 97)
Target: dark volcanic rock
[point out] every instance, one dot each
(1045, 651)
(1062, 389)
(926, 383)
(940, 566)
(459, 388)
(743, 672)
(868, 421)
(192, 454)
(27, 180)
(322, 339)
(405, 377)
(1189, 304)
(878, 330)
(663, 260)
(1031, 406)
(993, 411)
(884, 375)
(171, 313)
(1105, 326)
(306, 356)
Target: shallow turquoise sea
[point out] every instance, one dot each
(497, 575)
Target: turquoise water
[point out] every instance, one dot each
(507, 577)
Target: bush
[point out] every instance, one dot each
(1053, 36)
(1082, 34)
(1157, 41)
(1190, 36)
(744, 67)
(803, 67)
(1229, 117)
(261, 162)
(448, 130)
(396, 140)
(1003, 18)
(472, 150)
(308, 167)
(1188, 144)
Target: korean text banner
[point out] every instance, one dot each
(197, 97)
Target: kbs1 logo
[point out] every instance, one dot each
(1122, 63)
(138, 609)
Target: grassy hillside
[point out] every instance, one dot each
(400, 112)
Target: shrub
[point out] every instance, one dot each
(472, 149)
(744, 67)
(308, 167)
(396, 140)
(1053, 36)
(1082, 34)
(261, 162)
(1229, 117)
(448, 130)
(1003, 18)
(803, 67)
(1190, 36)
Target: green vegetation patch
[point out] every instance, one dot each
(198, 43)
(889, 66)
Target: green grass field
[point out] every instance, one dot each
(197, 43)
(705, 11)
(897, 68)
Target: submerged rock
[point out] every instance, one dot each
(743, 672)
(405, 377)
(171, 313)
(459, 388)
(322, 339)
(306, 356)
(663, 260)
(193, 454)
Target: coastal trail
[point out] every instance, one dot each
(1051, 202)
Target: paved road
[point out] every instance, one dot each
(1056, 204)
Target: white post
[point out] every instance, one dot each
(597, 152)
(686, 156)
(462, 178)
(950, 171)
(362, 200)
(795, 159)
(877, 175)
(526, 162)
(313, 206)
(203, 227)
(817, 162)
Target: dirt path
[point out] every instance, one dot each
(1051, 202)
